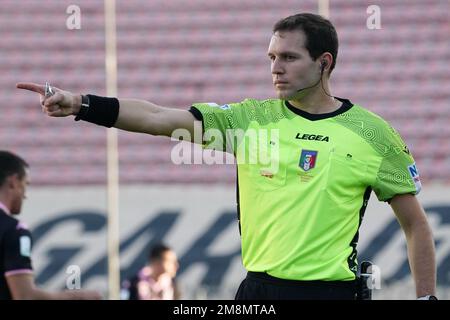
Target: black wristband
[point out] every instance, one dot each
(99, 110)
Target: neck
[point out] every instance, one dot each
(316, 101)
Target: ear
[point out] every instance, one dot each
(326, 60)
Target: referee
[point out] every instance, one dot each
(16, 272)
(299, 215)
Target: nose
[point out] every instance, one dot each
(277, 67)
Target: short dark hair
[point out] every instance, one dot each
(11, 164)
(157, 251)
(320, 33)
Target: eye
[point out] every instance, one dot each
(290, 58)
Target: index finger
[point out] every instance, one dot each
(31, 87)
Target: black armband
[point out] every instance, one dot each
(103, 111)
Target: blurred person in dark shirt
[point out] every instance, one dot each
(16, 272)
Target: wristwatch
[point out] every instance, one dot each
(84, 108)
(427, 297)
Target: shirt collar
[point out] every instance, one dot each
(4, 208)
(346, 105)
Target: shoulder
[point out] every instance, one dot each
(7, 222)
(246, 103)
(262, 103)
(265, 111)
(366, 117)
(259, 105)
(241, 113)
(10, 225)
(372, 128)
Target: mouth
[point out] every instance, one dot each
(280, 83)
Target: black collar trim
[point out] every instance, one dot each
(346, 105)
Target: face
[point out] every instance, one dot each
(19, 192)
(291, 65)
(168, 263)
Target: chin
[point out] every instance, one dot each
(285, 95)
(282, 95)
(16, 210)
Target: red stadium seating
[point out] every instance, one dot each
(177, 52)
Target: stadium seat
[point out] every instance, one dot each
(178, 52)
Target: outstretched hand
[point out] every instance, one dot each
(61, 104)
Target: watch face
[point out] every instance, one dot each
(84, 101)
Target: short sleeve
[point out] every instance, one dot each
(17, 251)
(223, 125)
(397, 173)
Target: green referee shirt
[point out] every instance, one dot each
(304, 181)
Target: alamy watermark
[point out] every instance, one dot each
(234, 146)
(373, 21)
(73, 21)
(73, 281)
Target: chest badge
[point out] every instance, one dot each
(308, 159)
